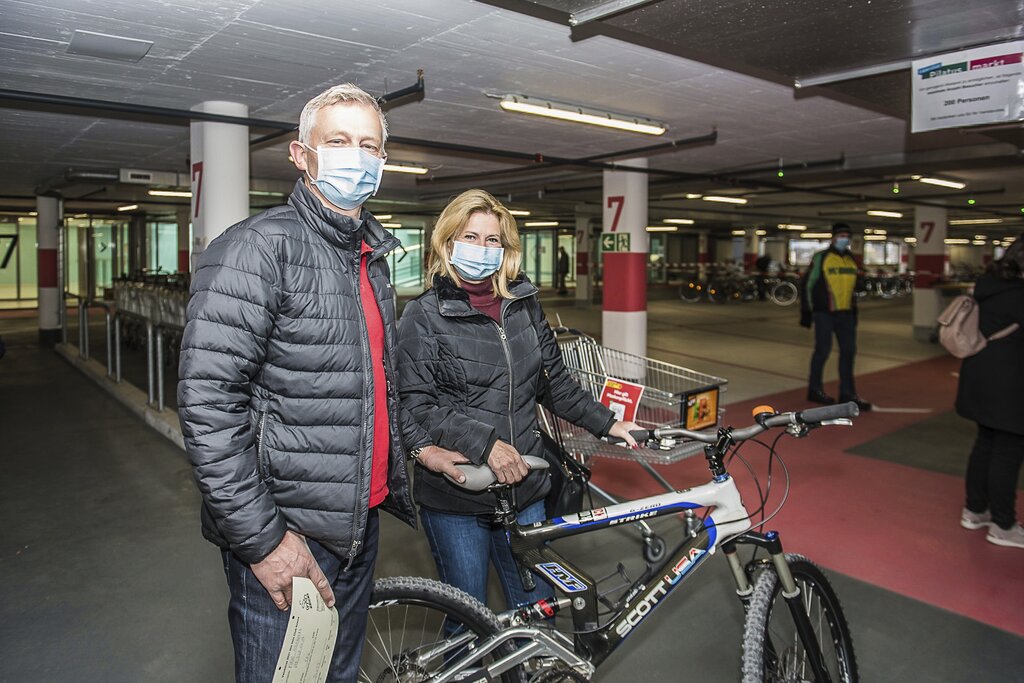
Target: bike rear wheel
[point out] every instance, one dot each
(691, 292)
(772, 650)
(418, 626)
(784, 293)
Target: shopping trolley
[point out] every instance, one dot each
(673, 396)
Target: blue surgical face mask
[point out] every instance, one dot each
(346, 176)
(842, 243)
(475, 263)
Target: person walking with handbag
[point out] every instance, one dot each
(989, 392)
(472, 354)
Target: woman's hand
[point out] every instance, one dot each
(443, 461)
(506, 463)
(621, 430)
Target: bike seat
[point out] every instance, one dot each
(481, 477)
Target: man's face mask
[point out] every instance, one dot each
(346, 176)
(475, 263)
(842, 243)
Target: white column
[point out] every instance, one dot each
(624, 321)
(751, 249)
(49, 218)
(584, 277)
(219, 172)
(929, 267)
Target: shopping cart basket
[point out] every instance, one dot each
(673, 396)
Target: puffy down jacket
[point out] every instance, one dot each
(275, 380)
(469, 381)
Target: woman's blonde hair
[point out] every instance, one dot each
(449, 226)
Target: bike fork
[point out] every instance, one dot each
(790, 592)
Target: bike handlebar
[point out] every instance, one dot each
(805, 417)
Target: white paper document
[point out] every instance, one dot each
(309, 641)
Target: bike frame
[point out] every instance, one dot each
(530, 547)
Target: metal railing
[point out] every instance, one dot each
(158, 310)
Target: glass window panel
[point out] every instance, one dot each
(28, 258)
(801, 251)
(9, 272)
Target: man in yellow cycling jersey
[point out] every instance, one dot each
(827, 300)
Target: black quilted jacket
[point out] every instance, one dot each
(275, 380)
(469, 381)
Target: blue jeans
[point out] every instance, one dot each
(844, 326)
(258, 626)
(463, 545)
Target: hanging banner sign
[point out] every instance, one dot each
(622, 397)
(983, 85)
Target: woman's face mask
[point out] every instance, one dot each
(842, 243)
(472, 262)
(346, 176)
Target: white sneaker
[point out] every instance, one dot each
(975, 520)
(1011, 538)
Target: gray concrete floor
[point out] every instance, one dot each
(106, 577)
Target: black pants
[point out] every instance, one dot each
(844, 326)
(992, 472)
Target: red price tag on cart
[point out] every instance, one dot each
(622, 397)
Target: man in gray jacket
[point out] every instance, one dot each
(287, 394)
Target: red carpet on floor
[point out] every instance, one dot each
(891, 525)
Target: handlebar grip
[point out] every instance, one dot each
(832, 412)
(641, 435)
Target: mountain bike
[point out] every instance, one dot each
(423, 631)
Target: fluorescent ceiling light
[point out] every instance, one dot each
(875, 238)
(910, 240)
(576, 114)
(886, 214)
(661, 228)
(383, 217)
(693, 195)
(518, 212)
(979, 243)
(956, 240)
(791, 226)
(128, 207)
(104, 46)
(739, 233)
(391, 225)
(723, 199)
(955, 184)
(875, 231)
(265, 193)
(679, 221)
(169, 193)
(981, 237)
(760, 232)
(816, 235)
(541, 224)
(976, 221)
(405, 168)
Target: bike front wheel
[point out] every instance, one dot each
(784, 293)
(416, 627)
(773, 652)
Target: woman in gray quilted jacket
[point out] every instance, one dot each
(473, 350)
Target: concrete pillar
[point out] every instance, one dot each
(751, 249)
(49, 220)
(624, 321)
(182, 215)
(930, 266)
(219, 172)
(703, 253)
(584, 281)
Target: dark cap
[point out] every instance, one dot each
(841, 227)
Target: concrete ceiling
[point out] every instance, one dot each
(273, 55)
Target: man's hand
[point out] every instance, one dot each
(805, 319)
(506, 463)
(621, 430)
(289, 559)
(443, 461)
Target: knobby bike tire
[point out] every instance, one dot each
(772, 652)
(407, 617)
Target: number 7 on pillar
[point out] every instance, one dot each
(618, 202)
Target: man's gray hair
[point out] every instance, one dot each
(339, 94)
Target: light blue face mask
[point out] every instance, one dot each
(842, 243)
(346, 176)
(475, 263)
